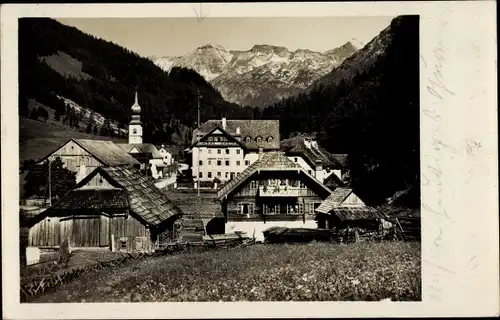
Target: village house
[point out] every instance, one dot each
(224, 148)
(168, 154)
(146, 153)
(84, 155)
(272, 191)
(313, 158)
(115, 208)
(343, 209)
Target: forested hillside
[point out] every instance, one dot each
(370, 112)
(55, 59)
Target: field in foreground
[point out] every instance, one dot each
(318, 271)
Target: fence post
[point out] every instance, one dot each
(113, 246)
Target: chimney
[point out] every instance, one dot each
(261, 151)
(238, 130)
(224, 123)
(319, 171)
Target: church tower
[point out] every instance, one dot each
(135, 126)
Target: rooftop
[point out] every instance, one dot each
(106, 151)
(249, 129)
(142, 148)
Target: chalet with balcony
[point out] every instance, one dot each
(224, 148)
(272, 191)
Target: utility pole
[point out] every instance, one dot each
(198, 179)
(50, 186)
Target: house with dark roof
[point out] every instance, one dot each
(84, 155)
(314, 159)
(272, 191)
(222, 149)
(343, 208)
(114, 207)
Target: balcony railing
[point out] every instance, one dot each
(281, 191)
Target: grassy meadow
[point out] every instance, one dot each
(308, 272)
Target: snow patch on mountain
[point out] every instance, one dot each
(262, 75)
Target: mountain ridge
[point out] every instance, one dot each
(267, 72)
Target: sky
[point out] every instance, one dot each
(179, 36)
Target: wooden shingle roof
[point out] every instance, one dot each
(106, 151)
(144, 198)
(269, 161)
(248, 128)
(335, 199)
(92, 199)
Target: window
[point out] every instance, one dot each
(209, 174)
(227, 162)
(254, 184)
(227, 151)
(134, 131)
(245, 208)
(209, 150)
(293, 209)
(295, 159)
(248, 139)
(200, 163)
(302, 185)
(269, 139)
(271, 209)
(218, 151)
(258, 139)
(238, 151)
(238, 162)
(247, 162)
(209, 162)
(123, 244)
(219, 162)
(200, 174)
(218, 174)
(226, 175)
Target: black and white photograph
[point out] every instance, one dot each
(225, 159)
(252, 157)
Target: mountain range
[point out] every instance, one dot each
(262, 75)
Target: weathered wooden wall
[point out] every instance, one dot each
(73, 156)
(89, 231)
(98, 181)
(231, 207)
(45, 233)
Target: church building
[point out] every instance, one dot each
(146, 153)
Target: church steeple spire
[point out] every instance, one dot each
(135, 126)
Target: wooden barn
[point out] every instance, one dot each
(273, 191)
(113, 207)
(84, 155)
(343, 209)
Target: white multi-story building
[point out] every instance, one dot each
(224, 148)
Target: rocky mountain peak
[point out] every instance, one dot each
(261, 75)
